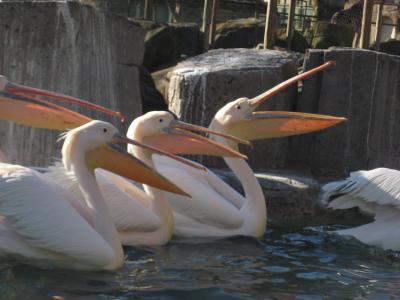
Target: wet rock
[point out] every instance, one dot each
(72, 49)
(292, 199)
(239, 33)
(364, 86)
(201, 85)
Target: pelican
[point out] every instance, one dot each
(145, 217)
(216, 210)
(376, 192)
(46, 225)
(141, 217)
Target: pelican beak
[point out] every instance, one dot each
(178, 140)
(114, 158)
(256, 101)
(21, 104)
(272, 124)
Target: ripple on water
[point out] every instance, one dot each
(303, 264)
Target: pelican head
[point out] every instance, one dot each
(240, 118)
(97, 145)
(162, 130)
(21, 104)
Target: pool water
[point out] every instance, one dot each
(299, 264)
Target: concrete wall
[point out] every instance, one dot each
(364, 86)
(68, 48)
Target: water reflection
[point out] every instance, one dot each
(307, 264)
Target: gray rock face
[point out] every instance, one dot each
(364, 86)
(72, 49)
(292, 199)
(201, 85)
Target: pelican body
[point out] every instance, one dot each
(43, 222)
(376, 192)
(145, 217)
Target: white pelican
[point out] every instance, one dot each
(141, 218)
(376, 192)
(216, 210)
(46, 225)
(145, 218)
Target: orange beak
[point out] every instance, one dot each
(178, 140)
(20, 104)
(115, 159)
(272, 124)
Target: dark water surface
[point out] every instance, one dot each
(302, 264)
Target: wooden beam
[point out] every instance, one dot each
(366, 24)
(206, 24)
(378, 24)
(270, 24)
(148, 9)
(214, 15)
(290, 23)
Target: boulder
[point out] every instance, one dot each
(364, 87)
(161, 47)
(72, 49)
(389, 47)
(299, 43)
(201, 85)
(292, 199)
(152, 99)
(325, 35)
(167, 42)
(239, 33)
(189, 38)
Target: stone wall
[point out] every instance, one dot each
(364, 86)
(68, 48)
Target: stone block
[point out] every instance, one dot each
(201, 85)
(364, 87)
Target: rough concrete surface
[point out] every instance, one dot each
(68, 48)
(364, 86)
(201, 85)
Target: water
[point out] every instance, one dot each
(304, 264)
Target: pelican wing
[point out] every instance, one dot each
(207, 204)
(128, 204)
(38, 212)
(373, 191)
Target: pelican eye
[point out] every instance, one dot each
(160, 120)
(104, 130)
(238, 106)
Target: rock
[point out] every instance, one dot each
(389, 47)
(162, 47)
(239, 33)
(201, 85)
(299, 43)
(167, 42)
(189, 38)
(292, 199)
(326, 35)
(152, 99)
(161, 79)
(72, 49)
(364, 87)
